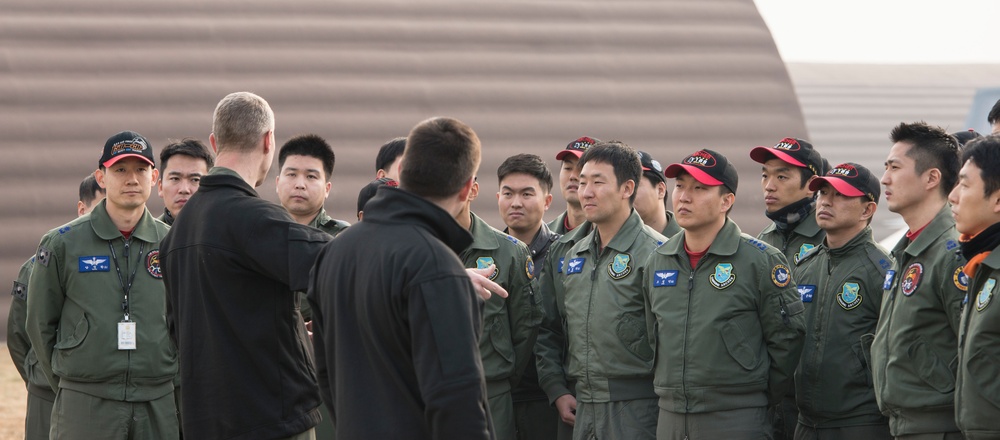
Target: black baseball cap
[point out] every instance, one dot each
(651, 167)
(126, 144)
(966, 135)
(577, 147)
(793, 151)
(852, 180)
(368, 191)
(708, 167)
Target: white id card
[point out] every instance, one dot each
(126, 335)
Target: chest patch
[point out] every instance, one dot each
(890, 275)
(559, 266)
(664, 278)
(153, 264)
(911, 279)
(96, 263)
(850, 296)
(723, 276)
(575, 265)
(484, 262)
(620, 266)
(780, 276)
(985, 295)
(960, 279)
(803, 250)
(806, 292)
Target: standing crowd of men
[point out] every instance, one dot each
(619, 319)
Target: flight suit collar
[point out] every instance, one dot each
(808, 226)
(726, 242)
(482, 236)
(848, 249)
(320, 219)
(623, 240)
(941, 223)
(993, 260)
(144, 230)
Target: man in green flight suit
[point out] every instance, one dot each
(38, 411)
(840, 283)
(651, 197)
(97, 308)
(914, 349)
(183, 163)
(729, 320)
(510, 325)
(569, 183)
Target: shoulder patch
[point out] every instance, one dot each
(849, 297)
(665, 278)
(985, 295)
(780, 275)
(620, 266)
(20, 291)
(529, 267)
(43, 255)
(911, 278)
(723, 277)
(94, 263)
(153, 264)
(960, 279)
(760, 245)
(64, 229)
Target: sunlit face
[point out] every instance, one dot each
(601, 197)
(180, 180)
(697, 205)
(904, 188)
(972, 209)
(836, 212)
(302, 186)
(782, 184)
(649, 199)
(522, 202)
(569, 179)
(128, 182)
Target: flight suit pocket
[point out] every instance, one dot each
(983, 370)
(632, 334)
(70, 340)
(931, 369)
(862, 363)
(742, 342)
(500, 339)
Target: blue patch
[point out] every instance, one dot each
(757, 244)
(951, 244)
(64, 229)
(659, 243)
(483, 262)
(575, 265)
(780, 276)
(723, 276)
(97, 263)
(664, 278)
(620, 267)
(806, 292)
(850, 296)
(885, 264)
(512, 239)
(559, 269)
(890, 275)
(985, 295)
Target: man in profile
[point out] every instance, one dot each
(396, 321)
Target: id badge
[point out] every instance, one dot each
(126, 335)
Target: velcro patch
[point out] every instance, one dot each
(20, 291)
(806, 292)
(780, 275)
(665, 278)
(575, 265)
(96, 263)
(890, 275)
(43, 256)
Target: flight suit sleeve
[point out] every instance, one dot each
(445, 323)
(950, 293)
(783, 323)
(17, 338)
(551, 345)
(521, 312)
(46, 295)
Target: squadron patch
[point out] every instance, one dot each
(559, 267)
(94, 263)
(484, 262)
(780, 276)
(43, 256)
(620, 266)
(850, 296)
(664, 278)
(153, 264)
(723, 276)
(911, 278)
(985, 295)
(960, 279)
(575, 265)
(806, 292)
(803, 250)
(890, 276)
(529, 268)
(20, 291)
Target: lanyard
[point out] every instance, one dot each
(126, 288)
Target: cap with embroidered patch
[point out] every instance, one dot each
(852, 180)
(792, 151)
(369, 190)
(126, 144)
(708, 167)
(651, 167)
(577, 147)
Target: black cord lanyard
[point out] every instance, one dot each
(126, 288)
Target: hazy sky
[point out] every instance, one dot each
(885, 31)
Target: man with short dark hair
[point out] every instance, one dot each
(368, 191)
(387, 160)
(729, 321)
(569, 182)
(397, 322)
(524, 196)
(95, 309)
(305, 166)
(994, 118)
(975, 205)
(38, 411)
(651, 197)
(917, 330)
(232, 263)
(840, 283)
(184, 163)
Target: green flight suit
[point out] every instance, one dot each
(40, 396)
(75, 306)
(672, 227)
(914, 351)
(729, 332)
(510, 325)
(842, 292)
(794, 243)
(977, 389)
